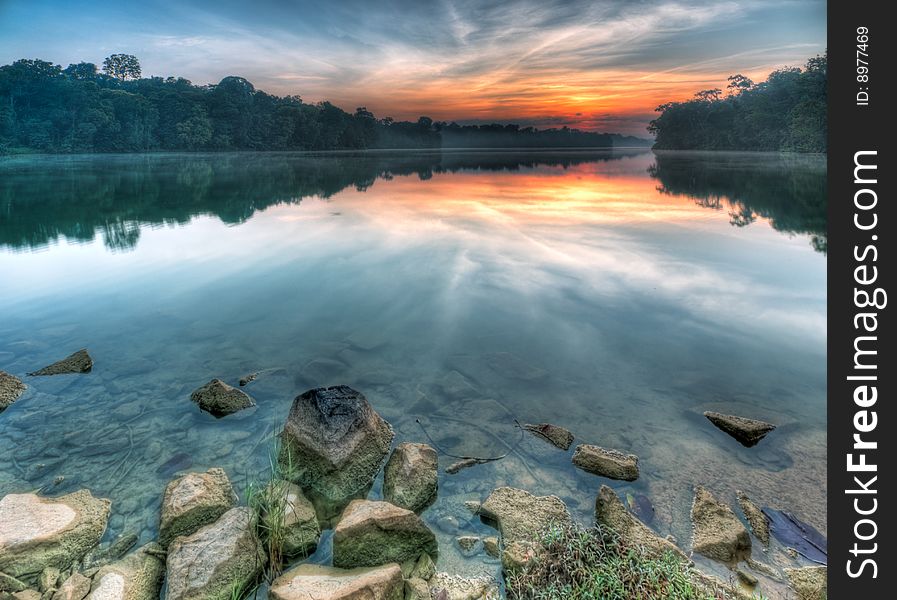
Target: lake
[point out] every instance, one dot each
(619, 294)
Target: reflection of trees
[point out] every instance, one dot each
(788, 190)
(43, 199)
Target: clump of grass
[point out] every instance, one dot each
(576, 563)
(268, 501)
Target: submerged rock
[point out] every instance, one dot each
(521, 516)
(194, 500)
(334, 441)
(373, 533)
(611, 513)
(718, 533)
(211, 563)
(38, 532)
(755, 516)
(219, 399)
(606, 462)
(137, 576)
(294, 515)
(328, 583)
(747, 431)
(11, 387)
(79, 362)
(454, 587)
(558, 436)
(810, 583)
(410, 476)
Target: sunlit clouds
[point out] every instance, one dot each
(598, 65)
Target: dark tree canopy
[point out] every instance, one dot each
(44, 108)
(788, 111)
(122, 66)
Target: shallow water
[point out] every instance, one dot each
(616, 294)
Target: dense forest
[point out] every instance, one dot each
(81, 108)
(786, 112)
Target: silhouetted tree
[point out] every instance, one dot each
(124, 67)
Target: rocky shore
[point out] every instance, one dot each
(211, 545)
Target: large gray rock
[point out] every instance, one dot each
(307, 582)
(194, 500)
(410, 476)
(79, 362)
(718, 533)
(220, 399)
(215, 560)
(38, 532)
(747, 431)
(374, 533)
(286, 508)
(334, 441)
(606, 462)
(138, 576)
(612, 514)
(11, 387)
(521, 516)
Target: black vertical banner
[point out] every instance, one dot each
(862, 371)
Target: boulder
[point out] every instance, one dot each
(286, 508)
(11, 387)
(38, 532)
(718, 533)
(747, 431)
(218, 558)
(521, 516)
(79, 362)
(454, 587)
(610, 512)
(76, 587)
(194, 500)
(328, 583)
(372, 533)
(410, 476)
(756, 518)
(219, 399)
(334, 441)
(557, 436)
(138, 576)
(417, 589)
(606, 462)
(809, 583)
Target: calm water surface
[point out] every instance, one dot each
(617, 294)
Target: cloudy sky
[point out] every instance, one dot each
(594, 64)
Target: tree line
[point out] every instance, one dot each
(82, 108)
(787, 112)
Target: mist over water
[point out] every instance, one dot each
(617, 294)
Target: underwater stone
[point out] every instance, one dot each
(521, 516)
(138, 576)
(372, 533)
(194, 500)
(219, 399)
(210, 563)
(334, 441)
(38, 532)
(747, 431)
(79, 362)
(557, 436)
(410, 476)
(11, 387)
(718, 533)
(606, 462)
(329, 583)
